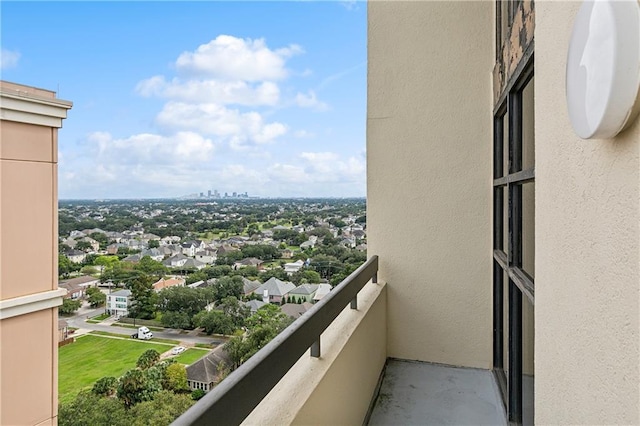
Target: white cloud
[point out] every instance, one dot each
(236, 127)
(303, 134)
(220, 92)
(231, 58)
(150, 149)
(8, 58)
(310, 100)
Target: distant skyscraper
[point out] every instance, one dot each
(235, 194)
(209, 194)
(202, 195)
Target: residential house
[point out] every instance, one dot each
(291, 268)
(249, 286)
(254, 305)
(113, 248)
(194, 264)
(208, 256)
(322, 291)
(77, 234)
(175, 261)
(287, 254)
(204, 374)
(118, 303)
(250, 261)
(70, 242)
(188, 249)
(133, 258)
(273, 290)
(63, 330)
(307, 245)
(95, 246)
(153, 253)
(163, 283)
(76, 287)
(295, 310)
(76, 256)
(304, 293)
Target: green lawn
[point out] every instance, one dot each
(91, 357)
(190, 356)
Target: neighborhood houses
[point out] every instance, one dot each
(232, 274)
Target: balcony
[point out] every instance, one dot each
(331, 367)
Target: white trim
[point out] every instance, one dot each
(31, 303)
(33, 110)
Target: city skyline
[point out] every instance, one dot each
(170, 98)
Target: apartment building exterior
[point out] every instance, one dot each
(29, 295)
(499, 239)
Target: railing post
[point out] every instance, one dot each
(315, 348)
(354, 302)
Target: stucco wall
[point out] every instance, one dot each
(587, 252)
(429, 175)
(337, 388)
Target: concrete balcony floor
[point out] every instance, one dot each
(416, 393)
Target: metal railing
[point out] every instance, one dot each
(238, 394)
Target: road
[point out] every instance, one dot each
(79, 321)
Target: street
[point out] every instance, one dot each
(79, 321)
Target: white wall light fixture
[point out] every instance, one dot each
(603, 68)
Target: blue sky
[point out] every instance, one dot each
(175, 98)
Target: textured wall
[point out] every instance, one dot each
(587, 252)
(429, 175)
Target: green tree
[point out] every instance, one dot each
(100, 238)
(106, 386)
(175, 378)
(197, 394)
(83, 246)
(69, 306)
(154, 244)
(144, 298)
(151, 267)
(262, 326)
(228, 286)
(214, 322)
(134, 388)
(90, 409)
(165, 407)
(65, 266)
(95, 297)
(148, 359)
(88, 270)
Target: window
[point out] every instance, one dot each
(514, 243)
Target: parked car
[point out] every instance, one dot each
(178, 350)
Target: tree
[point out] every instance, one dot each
(144, 298)
(165, 407)
(90, 409)
(100, 238)
(228, 286)
(88, 270)
(197, 394)
(148, 359)
(84, 246)
(95, 297)
(69, 306)
(175, 378)
(214, 322)
(134, 388)
(262, 326)
(154, 244)
(151, 267)
(106, 386)
(65, 266)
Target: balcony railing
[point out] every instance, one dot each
(236, 396)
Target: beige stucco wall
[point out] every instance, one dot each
(429, 175)
(587, 252)
(337, 388)
(28, 254)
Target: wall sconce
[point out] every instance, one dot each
(603, 68)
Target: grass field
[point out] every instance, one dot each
(91, 357)
(191, 355)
